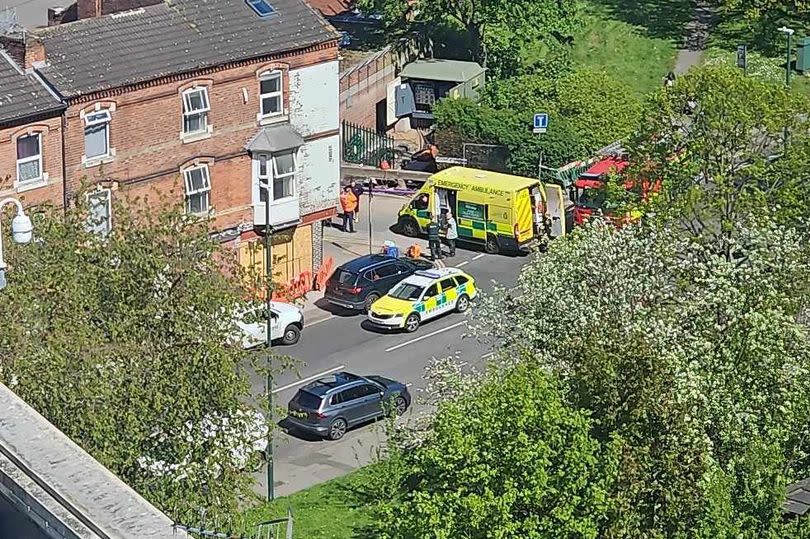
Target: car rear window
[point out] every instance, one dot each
(308, 400)
(345, 277)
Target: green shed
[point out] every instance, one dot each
(461, 79)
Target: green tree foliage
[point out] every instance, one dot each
(717, 141)
(120, 341)
(756, 22)
(508, 459)
(588, 109)
(499, 33)
(694, 366)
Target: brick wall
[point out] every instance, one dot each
(146, 127)
(49, 190)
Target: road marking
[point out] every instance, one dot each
(331, 316)
(490, 354)
(481, 255)
(406, 343)
(409, 384)
(308, 379)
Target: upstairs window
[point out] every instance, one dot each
(198, 190)
(284, 169)
(279, 169)
(29, 158)
(99, 212)
(195, 111)
(271, 94)
(97, 134)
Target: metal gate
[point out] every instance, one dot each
(364, 146)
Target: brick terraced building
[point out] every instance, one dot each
(209, 100)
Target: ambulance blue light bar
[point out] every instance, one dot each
(428, 273)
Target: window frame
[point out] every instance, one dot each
(450, 287)
(426, 294)
(108, 195)
(253, 3)
(38, 158)
(92, 123)
(271, 175)
(266, 76)
(287, 176)
(190, 191)
(188, 112)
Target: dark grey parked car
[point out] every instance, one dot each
(329, 406)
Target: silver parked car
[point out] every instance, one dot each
(329, 406)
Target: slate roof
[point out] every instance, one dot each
(275, 139)
(21, 95)
(176, 36)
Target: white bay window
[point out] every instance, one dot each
(276, 173)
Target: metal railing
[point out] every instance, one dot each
(363, 146)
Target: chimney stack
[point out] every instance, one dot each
(24, 49)
(55, 15)
(88, 9)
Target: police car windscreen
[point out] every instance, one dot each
(406, 291)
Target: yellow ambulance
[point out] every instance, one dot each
(499, 211)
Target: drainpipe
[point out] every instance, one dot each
(65, 197)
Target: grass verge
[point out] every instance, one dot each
(624, 51)
(331, 510)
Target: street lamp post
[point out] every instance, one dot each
(21, 232)
(268, 292)
(789, 33)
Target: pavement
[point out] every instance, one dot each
(697, 34)
(334, 339)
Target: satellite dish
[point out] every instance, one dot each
(8, 20)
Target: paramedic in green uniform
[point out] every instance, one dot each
(433, 239)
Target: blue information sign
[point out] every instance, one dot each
(540, 122)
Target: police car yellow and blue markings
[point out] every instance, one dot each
(429, 306)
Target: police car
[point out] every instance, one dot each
(422, 296)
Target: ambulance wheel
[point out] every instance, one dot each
(412, 323)
(408, 226)
(462, 303)
(492, 244)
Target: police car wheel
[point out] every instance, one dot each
(412, 323)
(462, 303)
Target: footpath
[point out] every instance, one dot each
(697, 34)
(343, 246)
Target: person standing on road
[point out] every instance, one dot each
(357, 189)
(433, 239)
(451, 234)
(348, 202)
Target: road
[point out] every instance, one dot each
(341, 341)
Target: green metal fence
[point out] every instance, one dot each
(364, 146)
